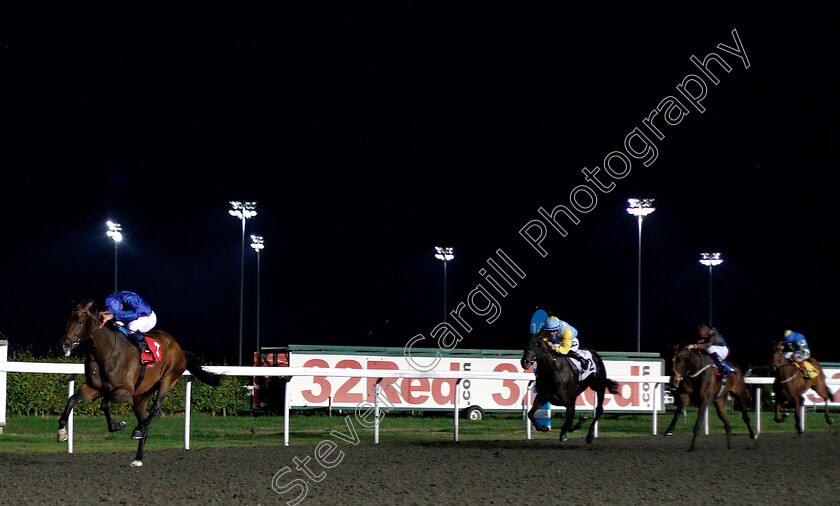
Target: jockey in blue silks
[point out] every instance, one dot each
(132, 315)
(795, 348)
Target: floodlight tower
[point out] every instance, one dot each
(640, 208)
(243, 211)
(258, 243)
(444, 255)
(115, 233)
(710, 260)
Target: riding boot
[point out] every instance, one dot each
(579, 358)
(143, 347)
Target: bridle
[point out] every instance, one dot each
(777, 366)
(677, 375)
(543, 349)
(76, 338)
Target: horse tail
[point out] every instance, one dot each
(612, 386)
(196, 368)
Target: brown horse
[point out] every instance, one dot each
(699, 383)
(113, 372)
(558, 384)
(790, 385)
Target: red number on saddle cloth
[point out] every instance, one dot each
(154, 346)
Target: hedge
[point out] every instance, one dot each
(31, 394)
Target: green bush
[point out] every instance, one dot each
(31, 394)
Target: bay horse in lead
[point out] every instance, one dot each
(113, 372)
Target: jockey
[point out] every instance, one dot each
(132, 315)
(795, 349)
(714, 345)
(563, 339)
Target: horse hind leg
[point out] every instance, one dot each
(721, 412)
(822, 389)
(599, 410)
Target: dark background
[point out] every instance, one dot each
(369, 135)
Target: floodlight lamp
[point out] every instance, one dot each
(243, 210)
(257, 243)
(640, 207)
(114, 231)
(445, 254)
(711, 259)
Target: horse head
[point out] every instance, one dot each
(777, 357)
(80, 324)
(537, 345)
(685, 363)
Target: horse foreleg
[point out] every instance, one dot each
(85, 394)
(141, 403)
(143, 423)
(701, 411)
(797, 414)
(538, 401)
(567, 423)
(112, 425)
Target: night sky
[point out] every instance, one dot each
(367, 136)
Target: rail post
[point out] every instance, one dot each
(71, 389)
(4, 350)
(187, 411)
(455, 403)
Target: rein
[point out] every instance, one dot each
(677, 375)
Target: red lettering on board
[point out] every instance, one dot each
(412, 385)
(325, 389)
(511, 385)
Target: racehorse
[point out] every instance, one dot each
(113, 372)
(790, 385)
(699, 383)
(557, 383)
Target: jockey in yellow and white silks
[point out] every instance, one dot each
(563, 339)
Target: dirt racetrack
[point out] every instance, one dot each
(774, 468)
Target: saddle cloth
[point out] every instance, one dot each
(590, 364)
(154, 346)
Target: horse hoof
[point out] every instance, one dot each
(668, 433)
(62, 436)
(136, 463)
(136, 434)
(563, 437)
(118, 426)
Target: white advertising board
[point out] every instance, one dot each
(427, 394)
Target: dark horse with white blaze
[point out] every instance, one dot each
(790, 385)
(699, 384)
(113, 372)
(557, 382)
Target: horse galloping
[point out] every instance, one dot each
(700, 384)
(557, 383)
(113, 372)
(790, 385)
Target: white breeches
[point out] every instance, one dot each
(722, 351)
(143, 324)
